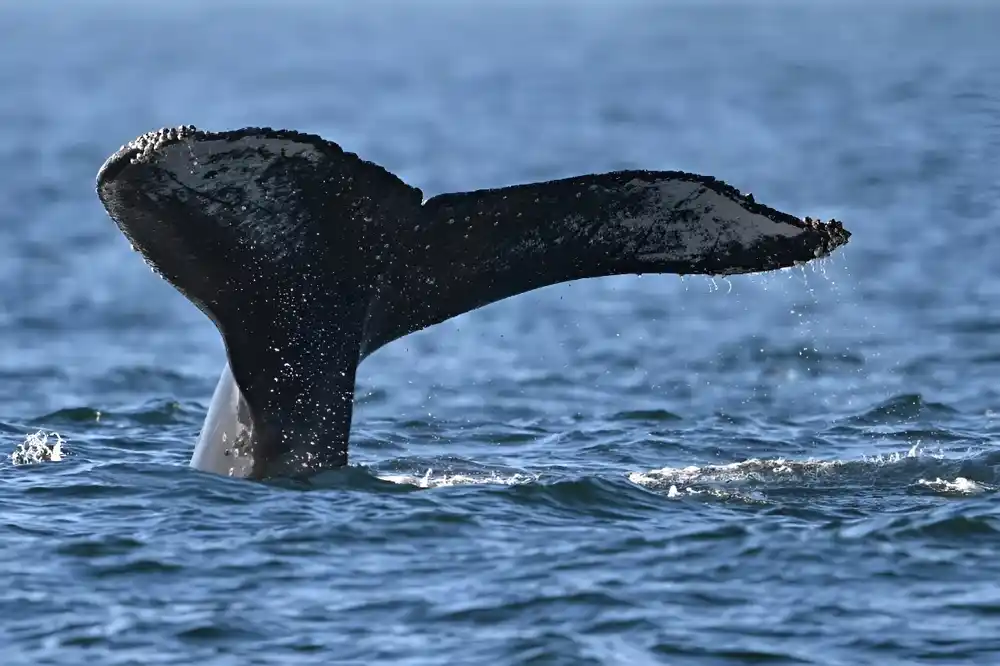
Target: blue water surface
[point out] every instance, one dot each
(793, 468)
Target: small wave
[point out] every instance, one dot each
(39, 447)
(734, 480)
(444, 479)
(594, 495)
(784, 359)
(960, 486)
(69, 415)
(647, 415)
(151, 412)
(903, 408)
(749, 479)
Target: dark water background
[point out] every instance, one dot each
(793, 468)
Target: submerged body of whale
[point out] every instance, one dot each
(308, 259)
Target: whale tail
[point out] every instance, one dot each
(474, 248)
(308, 259)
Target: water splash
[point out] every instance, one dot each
(39, 447)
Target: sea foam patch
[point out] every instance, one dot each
(39, 447)
(430, 479)
(751, 480)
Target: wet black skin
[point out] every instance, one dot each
(308, 259)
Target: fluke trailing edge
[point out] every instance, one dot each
(308, 259)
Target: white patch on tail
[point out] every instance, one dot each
(714, 220)
(216, 167)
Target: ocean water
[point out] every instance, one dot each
(793, 468)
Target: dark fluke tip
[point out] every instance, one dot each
(830, 235)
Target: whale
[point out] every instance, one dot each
(308, 259)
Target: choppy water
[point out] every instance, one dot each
(793, 468)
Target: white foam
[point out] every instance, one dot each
(960, 486)
(39, 447)
(754, 469)
(750, 479)
(444, 480)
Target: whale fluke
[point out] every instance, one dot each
(467, 250)
(308, 259)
